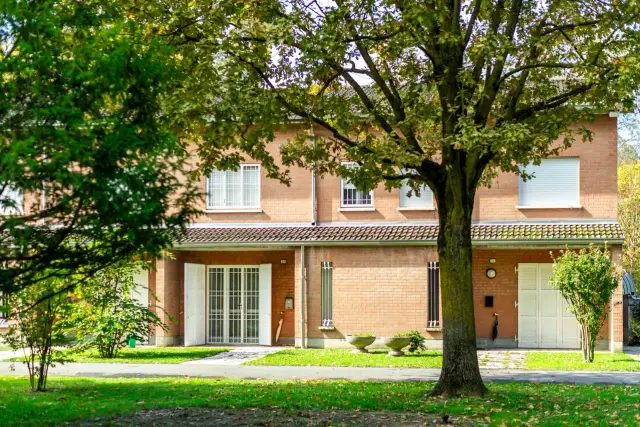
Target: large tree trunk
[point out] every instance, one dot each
(460, 370)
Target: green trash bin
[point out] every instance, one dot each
(132, 342)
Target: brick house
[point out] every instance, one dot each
(330, 260)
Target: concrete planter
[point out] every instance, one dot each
(396, 344)
(360, 343)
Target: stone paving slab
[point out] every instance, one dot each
(235, 357)
(113, 370)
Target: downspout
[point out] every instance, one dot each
(302, 298)
(314, 197)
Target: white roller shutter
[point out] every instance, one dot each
(556, 183)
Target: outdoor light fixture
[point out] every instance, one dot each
(491, 273)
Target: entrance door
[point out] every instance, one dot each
(233, 305)
(543, 318)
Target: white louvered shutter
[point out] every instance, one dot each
(556, 183)
(424, 201)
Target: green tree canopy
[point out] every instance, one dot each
(83, 139)
(444, 93)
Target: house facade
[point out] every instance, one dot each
(309, 263)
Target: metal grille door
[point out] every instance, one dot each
(233, 305)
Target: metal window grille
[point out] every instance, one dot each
(433, 291)
(234, 189)
(351, 196)
(326, 279)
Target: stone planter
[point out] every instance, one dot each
(360, 343)
(396, 344)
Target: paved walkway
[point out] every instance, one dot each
(236, 357)
(120, 370)
(502, 359)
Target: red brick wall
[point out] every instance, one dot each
(280, 203)
(172, 295)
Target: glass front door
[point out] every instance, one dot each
(233, 305)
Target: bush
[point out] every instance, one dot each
(417, 340)
(37, 327)
(107, 315)
(587, 280)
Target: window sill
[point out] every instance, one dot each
(357, 209)
(551, 207)
(326, 328)
(238, 210)
(436, 329)
(416, 209)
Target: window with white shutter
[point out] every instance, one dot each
(11, 200)
(423, 201)
(555, 184)
(351, 196)
(231, 190)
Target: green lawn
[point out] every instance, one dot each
(72, 399)
(535, 360)
(148, 355)
(572, 361)
(341, 357)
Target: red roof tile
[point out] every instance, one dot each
(515, 232)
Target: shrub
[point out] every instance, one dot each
(37, 327)
(417, 340)
(107, 315)
(586, 279)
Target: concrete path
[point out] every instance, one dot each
(502, 359)
(120, 370)
(236, 357)
(633, 352)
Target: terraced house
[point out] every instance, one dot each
(307, 264)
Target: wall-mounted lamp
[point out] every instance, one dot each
(492, 260)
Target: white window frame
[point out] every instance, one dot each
(7, 211)
(570, 205)
(241, 208)
(353, 207)
(429, 202)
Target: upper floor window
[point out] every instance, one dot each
(556, 184)
(423, 201)
(11, 200)
(229, 190)
(351, 196)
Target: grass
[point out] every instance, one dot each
(147, 355)
(535, 360)
(73, 399)
(572, 361)
(340, 357)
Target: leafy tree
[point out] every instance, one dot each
(629, 215)
(628, 138)
(587, 280)
(84, 140)
(37, 327)
(440, 93)
(106, 314)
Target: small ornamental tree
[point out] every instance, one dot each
(629, 215)
(587, 280)
(106, 314)
(37, 327)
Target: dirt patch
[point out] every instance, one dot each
(266, 417)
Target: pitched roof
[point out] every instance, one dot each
(514, 232)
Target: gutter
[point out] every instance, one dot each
(302, 297)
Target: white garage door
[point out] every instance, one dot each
(543, 319)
